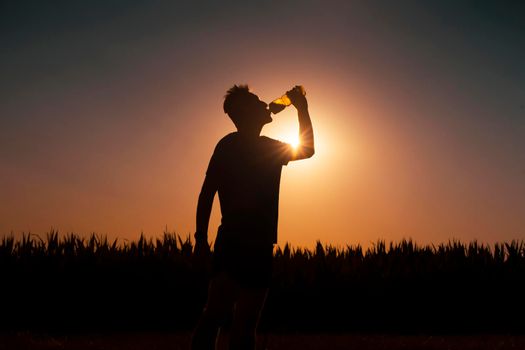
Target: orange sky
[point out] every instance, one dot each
(419, 132)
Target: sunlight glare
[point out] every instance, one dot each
(294, 141)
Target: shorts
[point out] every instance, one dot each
(247, 260)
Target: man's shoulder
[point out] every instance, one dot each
(226, 140)
(270, 141)
(222, 152)
(229, 137)
(273, 143)
(281, 152)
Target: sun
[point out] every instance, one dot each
(285, 131)
(291, 137)
(294, 141)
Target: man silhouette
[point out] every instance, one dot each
(245, 169)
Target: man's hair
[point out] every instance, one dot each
(234, 101)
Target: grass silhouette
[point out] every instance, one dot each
(90, 283)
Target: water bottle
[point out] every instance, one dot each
(284, 101)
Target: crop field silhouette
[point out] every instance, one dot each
(70, 283)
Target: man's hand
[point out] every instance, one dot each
(298, 99)
(201, 251)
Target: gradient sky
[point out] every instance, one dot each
(110, 110)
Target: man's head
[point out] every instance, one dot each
(245, 109)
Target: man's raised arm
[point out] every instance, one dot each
(306, 147)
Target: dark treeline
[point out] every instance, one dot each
(83, 284)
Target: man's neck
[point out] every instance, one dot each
(250, 133)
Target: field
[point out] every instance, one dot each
(73, 285)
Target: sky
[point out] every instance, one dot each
(110, 111)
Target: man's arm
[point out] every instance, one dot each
(204, 205)
(306, 147)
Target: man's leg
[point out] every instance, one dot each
(221, 296)
(246, 317)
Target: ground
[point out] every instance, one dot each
(175, 341)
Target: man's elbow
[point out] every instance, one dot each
(308, 152)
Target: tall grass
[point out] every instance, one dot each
(78, 282)
(173, 245)
(71, 245)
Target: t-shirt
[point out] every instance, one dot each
(248, 173)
